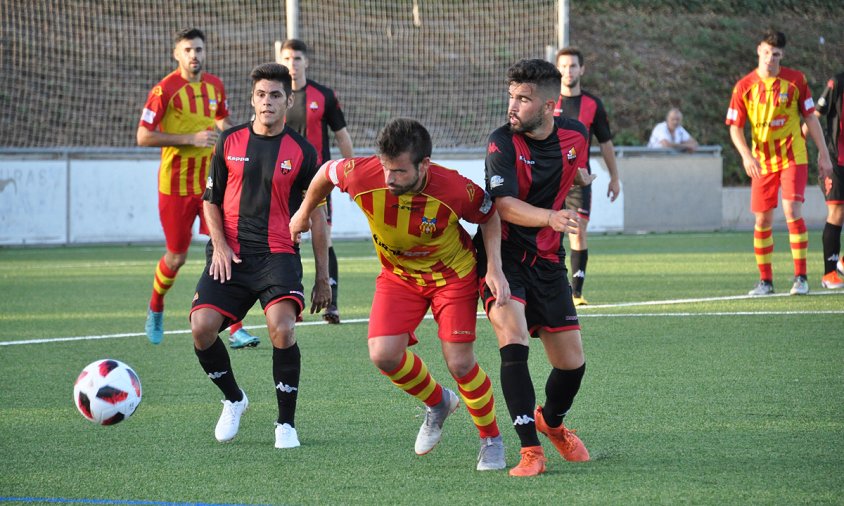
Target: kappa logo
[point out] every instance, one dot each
(286, 166)
(158, 91)
(523, 420)
(237, 158)
(285, 388)
(470, 189)
(579, 274)
(492, 148)
(217, 375)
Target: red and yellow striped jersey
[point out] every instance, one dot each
(418, 237)
(177, 106)
(774, 107)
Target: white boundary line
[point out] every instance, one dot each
(483, 315)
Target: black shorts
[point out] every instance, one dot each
(579, 200)
(543, 287)
(270, 278)
(833, 187)
(329, 211)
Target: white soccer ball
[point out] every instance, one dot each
(107, 392)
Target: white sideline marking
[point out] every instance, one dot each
(483, 315)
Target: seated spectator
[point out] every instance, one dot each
(671, 134)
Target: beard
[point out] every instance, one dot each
(401, 190)
(528, 125)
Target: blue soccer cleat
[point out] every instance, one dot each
(155, 326)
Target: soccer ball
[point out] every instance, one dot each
(107, 392)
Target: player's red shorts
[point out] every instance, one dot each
(764, 189)
(177, 214)
(399, 306)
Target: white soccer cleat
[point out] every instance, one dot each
(800, 286)
(229, 422)
(491, 456)
(285, 436)
(432, 428)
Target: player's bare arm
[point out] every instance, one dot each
(751, 165)
(519, 212)
(608, 152)
(495, 279)
(223, 256)
(319, 188)
(813, 128)
(344, 142)
(321, 292)
(156, 139)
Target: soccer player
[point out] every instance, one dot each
(774, 99)
(259, 173)
(414, 206)
(316, 109)
(576, 103)
(180, 116)
(530, 165)
(831, 105)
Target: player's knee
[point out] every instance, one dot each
(282, 335)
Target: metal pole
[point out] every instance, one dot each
(563, 22)
(292, 19)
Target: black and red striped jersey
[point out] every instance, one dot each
(316, 108)
(539, 172)
(589, 110)
(259, 182)
(831, 105)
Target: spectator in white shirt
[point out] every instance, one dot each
(671, 134)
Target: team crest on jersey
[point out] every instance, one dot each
(492, 148)
(784, 96)
(470, 189)
(313, 105)
(428, 225)
(572, 154)
(212, 104)
(286, 166)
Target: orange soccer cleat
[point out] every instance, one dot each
(832, 281)
(532, 463)
(567, 443)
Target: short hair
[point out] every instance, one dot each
(188, 34)
(273, 72)
(570, 51)
(295, 45)
(404, 135)
(773, 38)
(542, 73)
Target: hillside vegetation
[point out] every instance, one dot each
(643, 59)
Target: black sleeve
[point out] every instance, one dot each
(334, 113)
(827, 98)
(218, 176)
(601, 125)
(309, 167)
(500, 166)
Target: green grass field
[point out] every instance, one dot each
(693, 394)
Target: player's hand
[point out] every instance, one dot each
(498, 285)
(584, 178)
(320, 295)
(824, 166)
(564, 221)
(299, 222)
(752, 167)
(221, 263)
(205, 138)
(613, 190)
